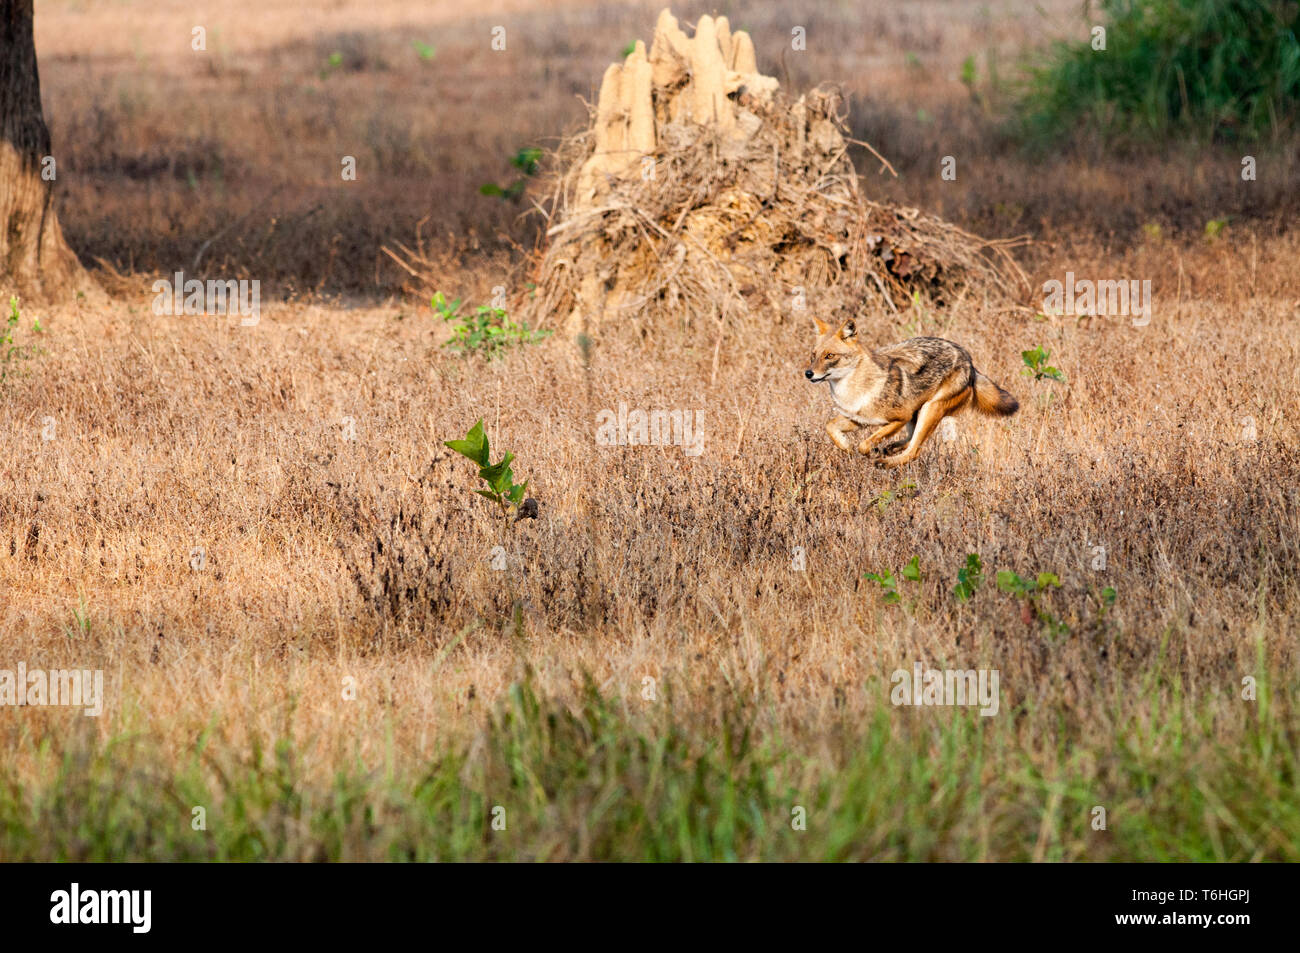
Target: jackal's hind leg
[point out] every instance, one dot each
(927, 418)
(836, 428)
(881, 433)
(900, 439)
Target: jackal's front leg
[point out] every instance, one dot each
(837, 427)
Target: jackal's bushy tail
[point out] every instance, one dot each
(992, 399)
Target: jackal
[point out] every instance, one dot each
(906, 388)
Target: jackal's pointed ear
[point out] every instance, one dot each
(848, 330)
(822, 326)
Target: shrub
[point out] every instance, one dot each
(488, 331)
(1225, 69)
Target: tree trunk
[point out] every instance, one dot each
(35, 261)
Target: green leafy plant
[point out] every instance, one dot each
(628, 50)
(969, 578)
(1105, 600)
(1031, 594)
(889, 585)
(10, 351)
(1036, 365)
(528, 162)
(488, 331)
(423, 50)
(904, 492)
(501, 490)
(500, 479)
(1214, 228)
(333, 62)
(511, 191)
(969, 78)
(7, 333)
(1016, 584)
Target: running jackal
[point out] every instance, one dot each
(898, 392)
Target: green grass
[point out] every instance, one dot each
(595, 782)
(1210, 69)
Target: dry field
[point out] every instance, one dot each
(257, 533)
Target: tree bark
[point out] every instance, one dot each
(35, 261)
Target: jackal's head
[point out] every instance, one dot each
(836, 353)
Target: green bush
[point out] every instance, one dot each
(488, 331)
(601, 777)
(1212, 69)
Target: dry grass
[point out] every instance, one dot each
(177, 433)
